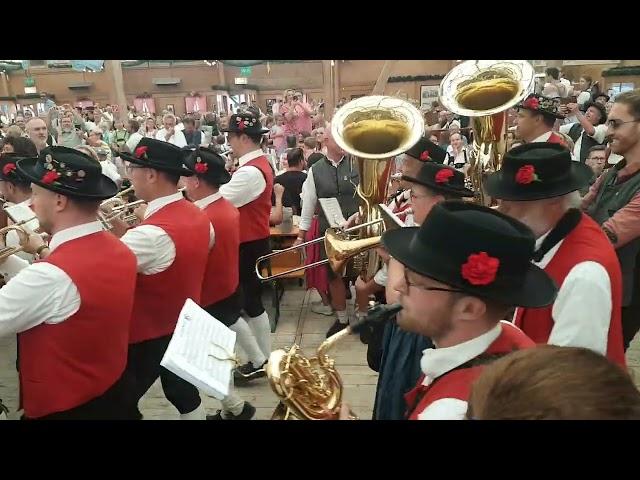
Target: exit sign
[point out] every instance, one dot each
(245, 71)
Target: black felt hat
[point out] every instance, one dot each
(600, 108)
(8, 170)
(68, 171)
(440, 178)
(549, 107)
(476, 250)
(426, 150)
(245, 122)
(159, 155)
(206, 163)
(535, 171)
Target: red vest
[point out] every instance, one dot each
(585, 243)
(555, 138)
(457, 383)
(65, 365)
(254, 216)
(160, 297)
(221, 277)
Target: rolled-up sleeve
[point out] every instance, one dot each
(246, 184)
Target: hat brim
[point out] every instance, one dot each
(499, 186)
(548, 114)
(536, 290)
(185, 172)
(262, 131)
(436, 187)
(105, 187)
(221, 179)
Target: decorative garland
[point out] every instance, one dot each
(415, 78)
(621, 71)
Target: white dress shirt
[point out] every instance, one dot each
(42, 292)
(543, 138)
(599, 136)
(177, 138)
(310, 198)
(582, 311)
(436, 362)
(152, 246)
(246, 183)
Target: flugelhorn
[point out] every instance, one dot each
(23, 239)
(117, 207)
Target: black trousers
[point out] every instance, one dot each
(144, 366)
(228, 309)
(250, 285)
(117, 403)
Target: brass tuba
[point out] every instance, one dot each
(373, 129)
(485, 90)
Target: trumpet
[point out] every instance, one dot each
(23, 239)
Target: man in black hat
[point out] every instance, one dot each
(614, 202)
(73, 308)
(536, 117)
(463, 270)
(538, 185)
(590, 129)
(402, 350)
(172, 246)
(250, 192)
(220, 289)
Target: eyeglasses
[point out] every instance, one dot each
(423, 287)
(130, 168)
(413, 196)
(616, 124)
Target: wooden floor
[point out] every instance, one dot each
(297, 324)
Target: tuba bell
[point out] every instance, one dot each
(484, 90)
(373, 130)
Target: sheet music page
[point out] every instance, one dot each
(200, 350)
(332, 211)
(18, 213)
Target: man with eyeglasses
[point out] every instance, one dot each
(614, 202)
(596, 160)
(464, 269)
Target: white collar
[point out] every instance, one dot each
(208, 200)
(549, 255)
(438, 361)
(72, 233)
(158, 203)
(26, 203)
(333, 162)
(542, 138)
(247, 157)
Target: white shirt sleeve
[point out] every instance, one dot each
(12, 266)
(153, 248)
(600, 133)
(582, 310)
(309, 201)
(109, 169)
(40, 293)
(246, 184)
(178, 139)
(133, 141)
(445, 409)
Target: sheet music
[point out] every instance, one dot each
(389, 216)
(332, 211)
(197, 340)
(18, 213)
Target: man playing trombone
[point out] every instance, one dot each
(73, 308)
(171, 246)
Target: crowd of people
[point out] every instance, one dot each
(522, 310)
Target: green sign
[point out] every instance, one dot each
(29, 82)
(245, 71)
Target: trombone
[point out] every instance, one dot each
(339, 249)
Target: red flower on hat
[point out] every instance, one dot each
(50, 177)
(241, 126)
(444, 175)
(8, 168)
(532, 103)
(141, 152)
(201, 167)
(480, 269)
(424, 156)
(526, 174)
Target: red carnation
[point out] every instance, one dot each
(241, 126)
(201, 167)
(444, 175)
(140, 151)
(480, 269)
(532, 103)
(50, 177)
(8, 168)
(424, 156)
(526, 174)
